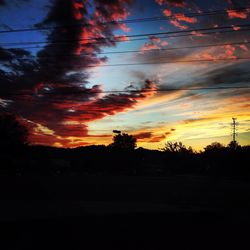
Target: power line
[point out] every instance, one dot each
(128, 91)
(151, 63)
(136, 39)
(73, 68)
(129, 21)
(102, 39)
(139, 51)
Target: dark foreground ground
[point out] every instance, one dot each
(97, 212)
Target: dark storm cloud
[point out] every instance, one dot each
(175, 3)
(150, 137)
(231, 74)
(50, 89)
(5, 2)
(143, 135)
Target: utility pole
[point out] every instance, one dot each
(234, 129)
(234, 133)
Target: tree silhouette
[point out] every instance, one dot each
(12, 132)
(176, 147)
(123, 141)
(213, 147)
(233, 145)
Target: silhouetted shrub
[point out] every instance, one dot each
(123, 141)
(12, 132)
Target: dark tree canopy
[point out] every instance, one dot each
(214, 146)
(124, 141)
(12, 131)
(176, 147)
(233, 145)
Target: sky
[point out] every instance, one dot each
(162, 70)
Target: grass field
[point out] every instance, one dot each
(75, 212)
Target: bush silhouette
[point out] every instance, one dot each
(123, 141)
(176, 147)
(214, 147)
(12, 132)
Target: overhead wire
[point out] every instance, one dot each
(129, 21)
(74, 67)
(91, 91)
(148, 35)
(139, 51)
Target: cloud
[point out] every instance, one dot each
(143, 135)
(50, 89)
(177, 24)
(181, 17)
(155, 39)
(4, 3)
(167, 12)
(174, 3)
(223, 52)
(121, 38)
(154, 43)
(149, 46)
(157, 138)
(227, 74)
(240, 14)
(150, 137)
(177, 18)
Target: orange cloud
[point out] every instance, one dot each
(234, 27)
(164, 43)
(148, 47)
(241, 14)
(143, 135)
(78, 9)
(157, 138)
(124, 27)
(174, 3)
(244, 47)
(154, 39)
(181, 17)
(196, 33)
(178, 25)
(223, 52)
(167, 12)
(121, 38)
(160, 2)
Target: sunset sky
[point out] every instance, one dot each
(75, 70)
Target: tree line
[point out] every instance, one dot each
(121, 157)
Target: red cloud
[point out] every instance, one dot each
(74, 123)
(160, 2)
(154, 39)
(121, 38)
(241, 14)
(223, 52)
(148, 47)
(196, 33)
(143, 135)
(182, 17)
(157, 138)
(234, 27)
(174, 3)
(124, 27)
(57, 99)
(244, 47)
(167, 12)
(178, 25)
(78, 9)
